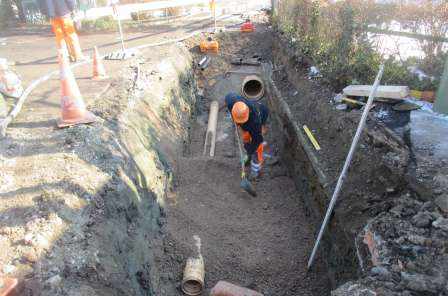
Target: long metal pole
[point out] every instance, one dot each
(214, 14)
(348, 160)
(115, 8)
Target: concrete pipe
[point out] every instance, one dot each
(252, 87)
(223, 288)
(210, 136)
(194, 274)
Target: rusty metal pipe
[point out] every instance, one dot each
(210, 136)
(252, 87)
(223, 288)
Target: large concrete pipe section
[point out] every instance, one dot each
(252, 87)
(210, 136)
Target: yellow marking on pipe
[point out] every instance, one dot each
(353, 101)
(311, 137)
(416, 94)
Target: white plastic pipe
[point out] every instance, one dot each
(347, 163)
(211, 128)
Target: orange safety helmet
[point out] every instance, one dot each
(240, 112)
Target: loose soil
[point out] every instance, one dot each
(262, 242)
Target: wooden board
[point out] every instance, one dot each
(384, 91)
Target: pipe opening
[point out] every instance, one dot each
(192, 287)
(253, 87)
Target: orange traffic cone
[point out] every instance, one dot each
(98, 69)
(7, 286)
(73, 108)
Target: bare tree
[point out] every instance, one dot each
(13, 9)
(428, 17)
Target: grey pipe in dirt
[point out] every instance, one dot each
(252, 87)
(210, 136)
(204, 62)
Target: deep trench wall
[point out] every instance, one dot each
(375, 178)
(152, 132)
(147, 121)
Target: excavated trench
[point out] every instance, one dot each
(138, 197)
(262, 242)
(167, 197)
(168, 201)
(165, 200)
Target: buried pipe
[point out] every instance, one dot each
(252, 87)
(194, 274)
(204, 62)
(347, 163)
(210, 136)
(223, 288)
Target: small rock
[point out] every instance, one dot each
(31, 256)
(428, 206)
(438, 191)
(28, 239)
(41, 242)
(54, 281)
(390, 190)
(341, 107)
(441, 223)
(8, 268)
(212, 82)
(381, 273)
(265, 206)
(422, 219)
(417, 239)
(442, 202)
(421, 282)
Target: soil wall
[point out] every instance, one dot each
(98, 228)
(385, 235)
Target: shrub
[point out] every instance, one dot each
(333, 34)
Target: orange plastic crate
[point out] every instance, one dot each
(209, 46)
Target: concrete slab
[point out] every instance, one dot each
(384, 91)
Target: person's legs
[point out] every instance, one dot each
(57, 27)
(256, 162)
(264, 113)
(72, 39)
(246, 139)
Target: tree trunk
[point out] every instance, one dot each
(20, 10)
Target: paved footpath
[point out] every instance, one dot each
(34, 51)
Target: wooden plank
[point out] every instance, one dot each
(384, 91)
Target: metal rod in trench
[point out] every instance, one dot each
(348, 160)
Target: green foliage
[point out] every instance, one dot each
(396, 72)
(334, 36)
(100, 24)
(6, 13)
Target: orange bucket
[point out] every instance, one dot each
(209, 46)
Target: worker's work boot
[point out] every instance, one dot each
(255, 169)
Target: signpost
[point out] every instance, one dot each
(441, 104)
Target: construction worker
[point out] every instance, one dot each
(251, 118)
(60, 13)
